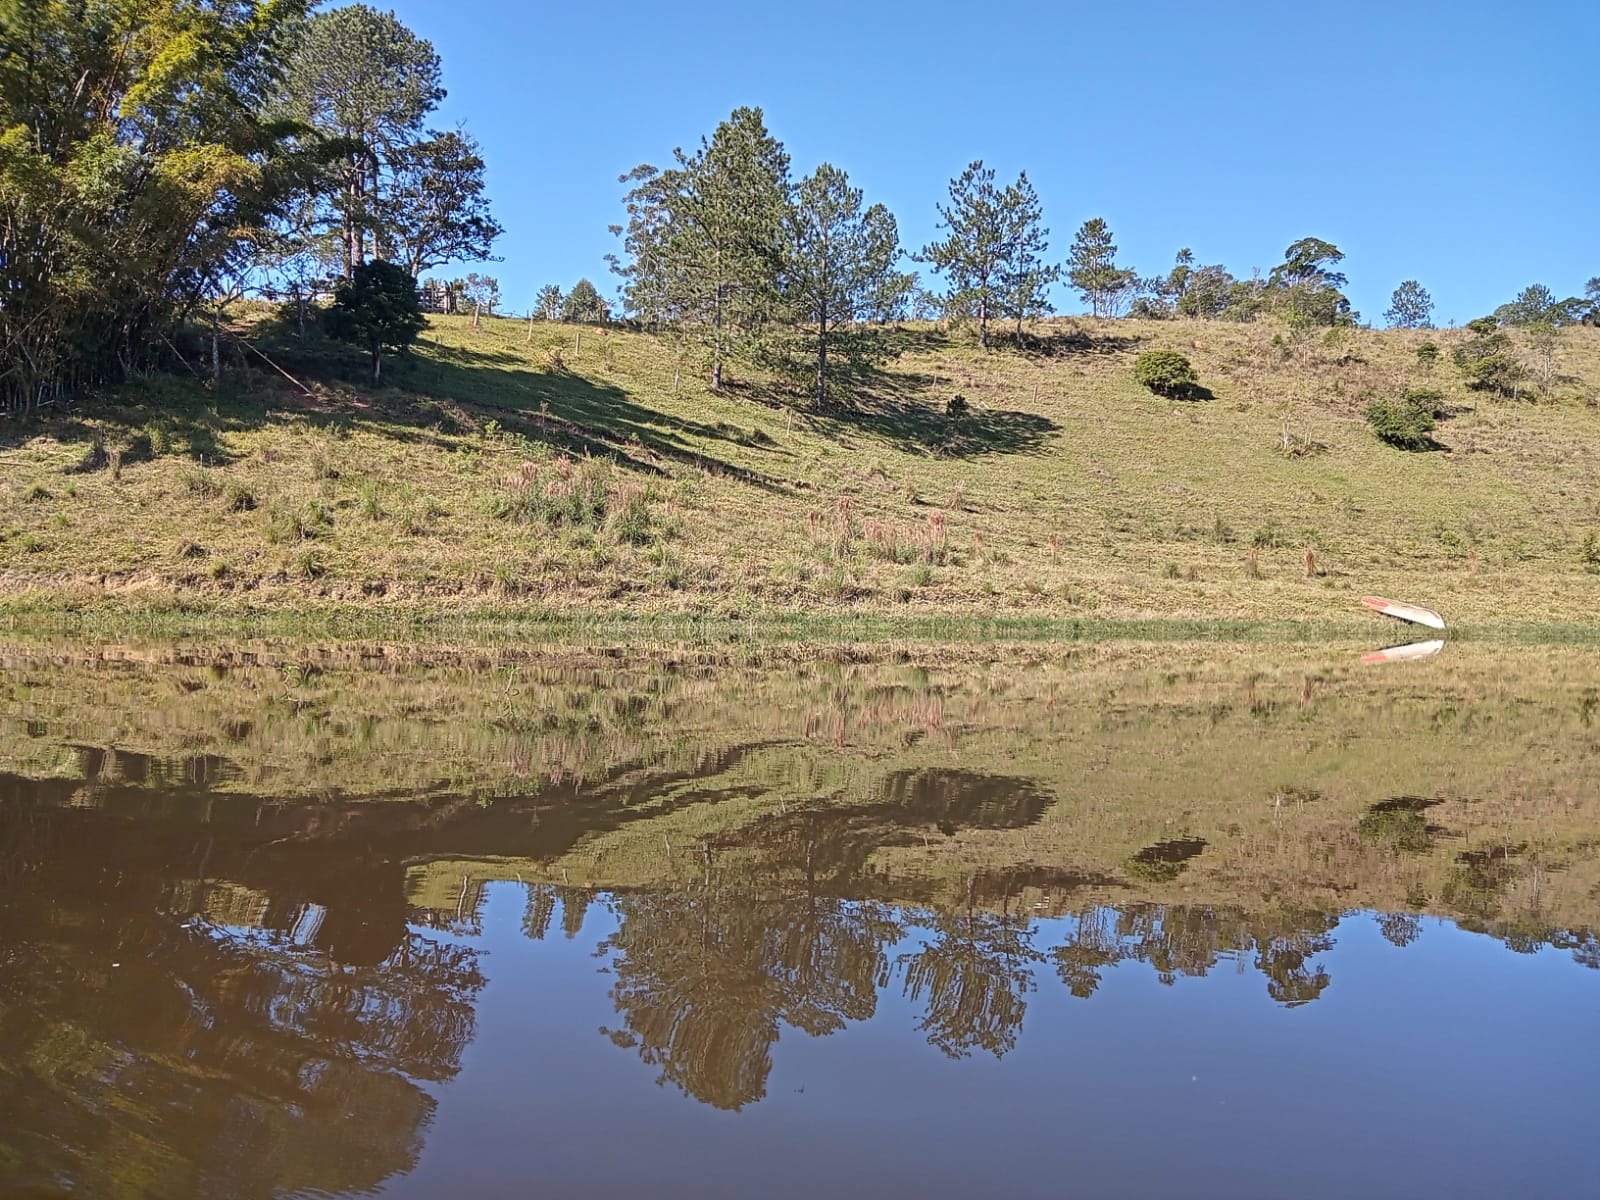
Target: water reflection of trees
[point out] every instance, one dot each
(168, 1035)
(706, 978)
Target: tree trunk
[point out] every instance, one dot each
(983, 322)
(716, 343)
(822, 359)
(477, 309)
(377, 366)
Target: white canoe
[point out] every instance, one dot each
(1404, 612)
(1408, 653)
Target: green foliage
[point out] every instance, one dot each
(703, 243)
(1025, 276)
(1304, 288)
(583, 303)
(1092, 270)
(1427, 355)
(364, 84)
(135, 161)
(1166, 373)
(549, 304)
(480, 292)
(377, 309)
(838, 258)
(1410, 307)
(973, 253)
(1405, 423)
(434, 210)
(1486, 360)
(1537, 307)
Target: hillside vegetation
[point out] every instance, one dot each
(556, 468)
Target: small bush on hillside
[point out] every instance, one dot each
(1486, 362)
(1427, 355)
(1166, 373)
(1402, 423)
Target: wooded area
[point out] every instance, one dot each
(161, 160)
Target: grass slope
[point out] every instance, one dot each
(569, 470)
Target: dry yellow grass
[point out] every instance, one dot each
(1068, 491)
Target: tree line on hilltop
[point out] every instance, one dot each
(161, 159)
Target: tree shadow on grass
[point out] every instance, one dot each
(1065, 342)
(576, 414)
(893, 408)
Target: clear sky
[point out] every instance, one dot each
(1456, 142)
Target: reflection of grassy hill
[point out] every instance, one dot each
(1188, 773)
(1066, 491)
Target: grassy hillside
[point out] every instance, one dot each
(580, 468)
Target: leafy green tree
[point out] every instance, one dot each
(377, 309)
(137, 171)
(1207, 292)
(583, 303)
(839, 259)
(704, 238)
(1486, 361)
(1025, 277)
(435, 211)
(1536, 306)
(364, 83)
(550, 303)
(1410, 307)
(1093, 271)
(1591, 293)
(480, 291)
(1305, 287)
(972, 256)
(1161, 296)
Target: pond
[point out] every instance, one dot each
(1110, 921)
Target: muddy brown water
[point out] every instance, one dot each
(1111, 927)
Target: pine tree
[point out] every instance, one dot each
(839, 264)
(364, 83)
(583, 303)
(1092, 268)
(972, 256)
(1024, 274)
(704, 238)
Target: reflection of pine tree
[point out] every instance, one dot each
(541, 908)
(704, 978)
(974, 975)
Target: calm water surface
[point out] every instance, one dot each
(1119, 923)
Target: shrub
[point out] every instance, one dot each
(1486, 362)
(1427, 354)
(236, 497)
(1166, 373)
(1401, 423)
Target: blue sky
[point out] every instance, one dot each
(1450, 142)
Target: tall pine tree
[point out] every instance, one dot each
(972, 255)
(1025, 275)
(839, 264)
(704, 238)
(1092, 268)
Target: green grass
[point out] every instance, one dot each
(487, 485)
